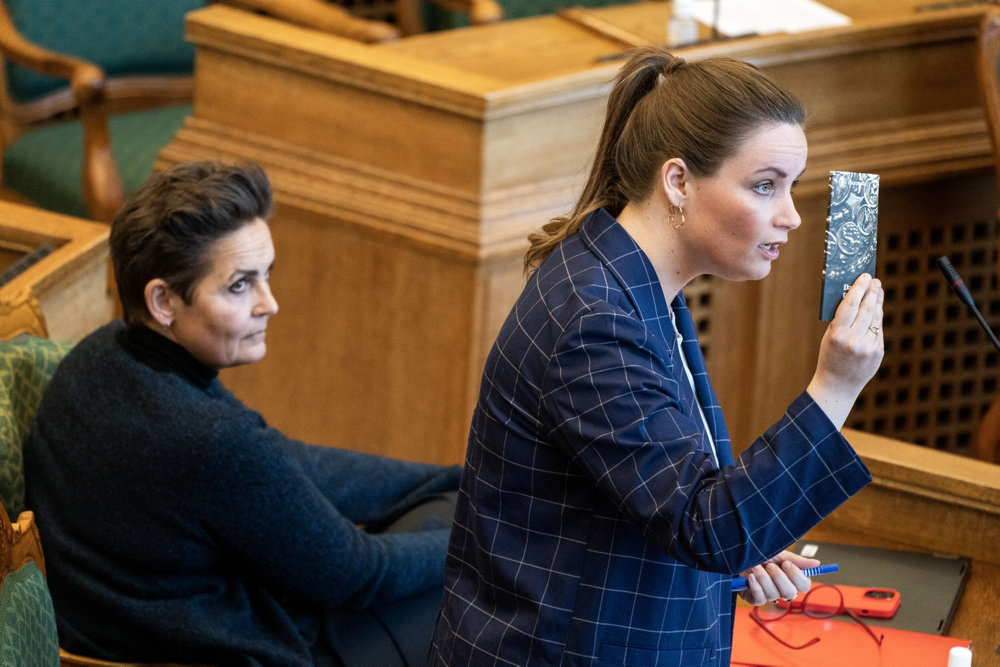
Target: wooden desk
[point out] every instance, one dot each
(925, 500)
(70, 283)
(408, 176)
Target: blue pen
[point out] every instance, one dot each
(740, 583)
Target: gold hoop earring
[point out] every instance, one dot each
(680, 209)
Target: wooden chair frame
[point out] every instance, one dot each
(92, 97)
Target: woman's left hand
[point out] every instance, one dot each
(778, 577)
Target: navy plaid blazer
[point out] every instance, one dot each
(593, 525)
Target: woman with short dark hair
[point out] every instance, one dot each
(177, 525)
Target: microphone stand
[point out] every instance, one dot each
(959, 288)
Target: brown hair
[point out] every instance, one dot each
(662, 107)
(167, 226)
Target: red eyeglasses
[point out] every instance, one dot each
(822, 601)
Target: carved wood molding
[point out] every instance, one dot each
(20, 313)
(414, 80)
(267, 40)
(465, 225)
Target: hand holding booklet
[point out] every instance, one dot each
(851, 235)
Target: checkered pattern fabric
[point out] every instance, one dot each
(593, 526)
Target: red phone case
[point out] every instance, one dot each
(862, 600)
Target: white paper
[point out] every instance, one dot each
(762, 17)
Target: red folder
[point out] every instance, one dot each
(842, 642)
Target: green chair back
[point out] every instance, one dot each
(124, 37)
(28, 634)
(26, 366)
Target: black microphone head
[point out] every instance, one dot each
(962, 292)
(950, 274)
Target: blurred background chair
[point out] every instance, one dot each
(375, 21)
(517, 9)
(441, 15)
(987, 440)
(90, 93)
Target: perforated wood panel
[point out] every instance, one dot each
(940, 369)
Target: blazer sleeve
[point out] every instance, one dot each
(612, 397)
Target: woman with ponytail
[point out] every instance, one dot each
(601, 515)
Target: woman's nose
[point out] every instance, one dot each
(789, 216)
(267, 304)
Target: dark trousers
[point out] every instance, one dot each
(396, 634)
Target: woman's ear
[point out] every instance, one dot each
(674, 176)
(160, 302)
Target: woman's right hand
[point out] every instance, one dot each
(851, 350)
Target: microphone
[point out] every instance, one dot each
(958, 287)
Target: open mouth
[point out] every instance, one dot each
(769, 250)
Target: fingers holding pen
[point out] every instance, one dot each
(779, 578)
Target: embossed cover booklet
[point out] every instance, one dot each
(851, 235)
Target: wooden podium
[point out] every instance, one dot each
(408, 175)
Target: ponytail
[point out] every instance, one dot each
(640, 75)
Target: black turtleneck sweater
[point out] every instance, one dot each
(178, 526)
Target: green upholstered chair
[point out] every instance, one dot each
(28, 636)
(26, 364)
(91, 92)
